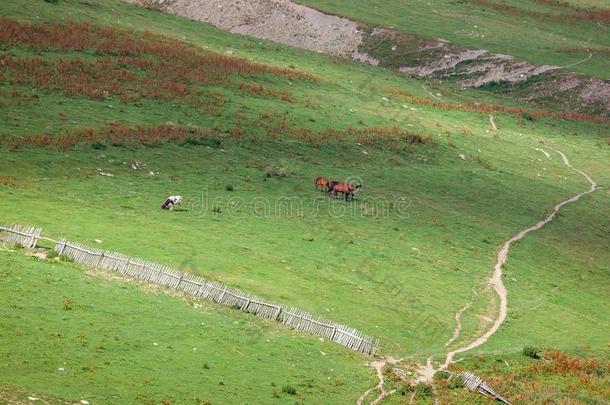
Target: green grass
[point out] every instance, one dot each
(118, 343)
(446, 242)
(468, 23)
(400, 276)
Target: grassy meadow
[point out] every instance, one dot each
(70, 336)
(87, 156)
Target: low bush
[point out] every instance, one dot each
(423, 390)
(532, 351)
(98, 146)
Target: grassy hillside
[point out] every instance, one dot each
(242, 142)
(565, 32)
(72, 336)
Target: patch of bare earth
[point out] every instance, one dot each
(276, 20)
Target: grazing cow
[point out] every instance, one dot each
(171, 202)
(322, 183)
(346, 189)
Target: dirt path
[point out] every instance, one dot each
(496, 279)
(578, 62)
(426, 371)
(458, 325)
(545, 153)
(378, 365)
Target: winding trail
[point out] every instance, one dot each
(378, 365)
(458, 325)
(577, 62)
(496, 278)
(426, 372)
(545, 153)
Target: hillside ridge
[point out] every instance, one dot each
(304, 27)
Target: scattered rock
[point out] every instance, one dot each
(364, 58)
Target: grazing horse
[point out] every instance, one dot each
(321, 182)
(172, 201)
(346, 189)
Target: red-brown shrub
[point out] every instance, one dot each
(9, 181)
(128, 65)
(556, 362)
(113, 134)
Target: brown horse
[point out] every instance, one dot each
(322, 183)
(346, 189)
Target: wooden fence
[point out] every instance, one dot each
(203, 288)
(475, 383)
(26, 236)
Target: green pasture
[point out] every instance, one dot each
(417, 244)
(73, 336)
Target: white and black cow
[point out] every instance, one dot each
(172, 201)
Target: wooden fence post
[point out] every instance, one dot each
(62, 248)
(99, 260)
(35, 235)
(332, 337)
(360, 344)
